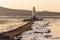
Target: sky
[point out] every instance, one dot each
(41, 5)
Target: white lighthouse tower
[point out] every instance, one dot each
(33, 12)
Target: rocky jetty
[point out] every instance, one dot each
(38, 32)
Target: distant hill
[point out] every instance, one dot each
(48, 14)
(13, 12)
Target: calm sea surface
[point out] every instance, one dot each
(55, 26)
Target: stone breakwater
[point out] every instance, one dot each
(39, 32)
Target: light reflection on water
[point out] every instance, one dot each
(10, 24)
(55, 27)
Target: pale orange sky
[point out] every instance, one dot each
(50, 5)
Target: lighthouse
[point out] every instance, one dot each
(33, 18)
(33, 13)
